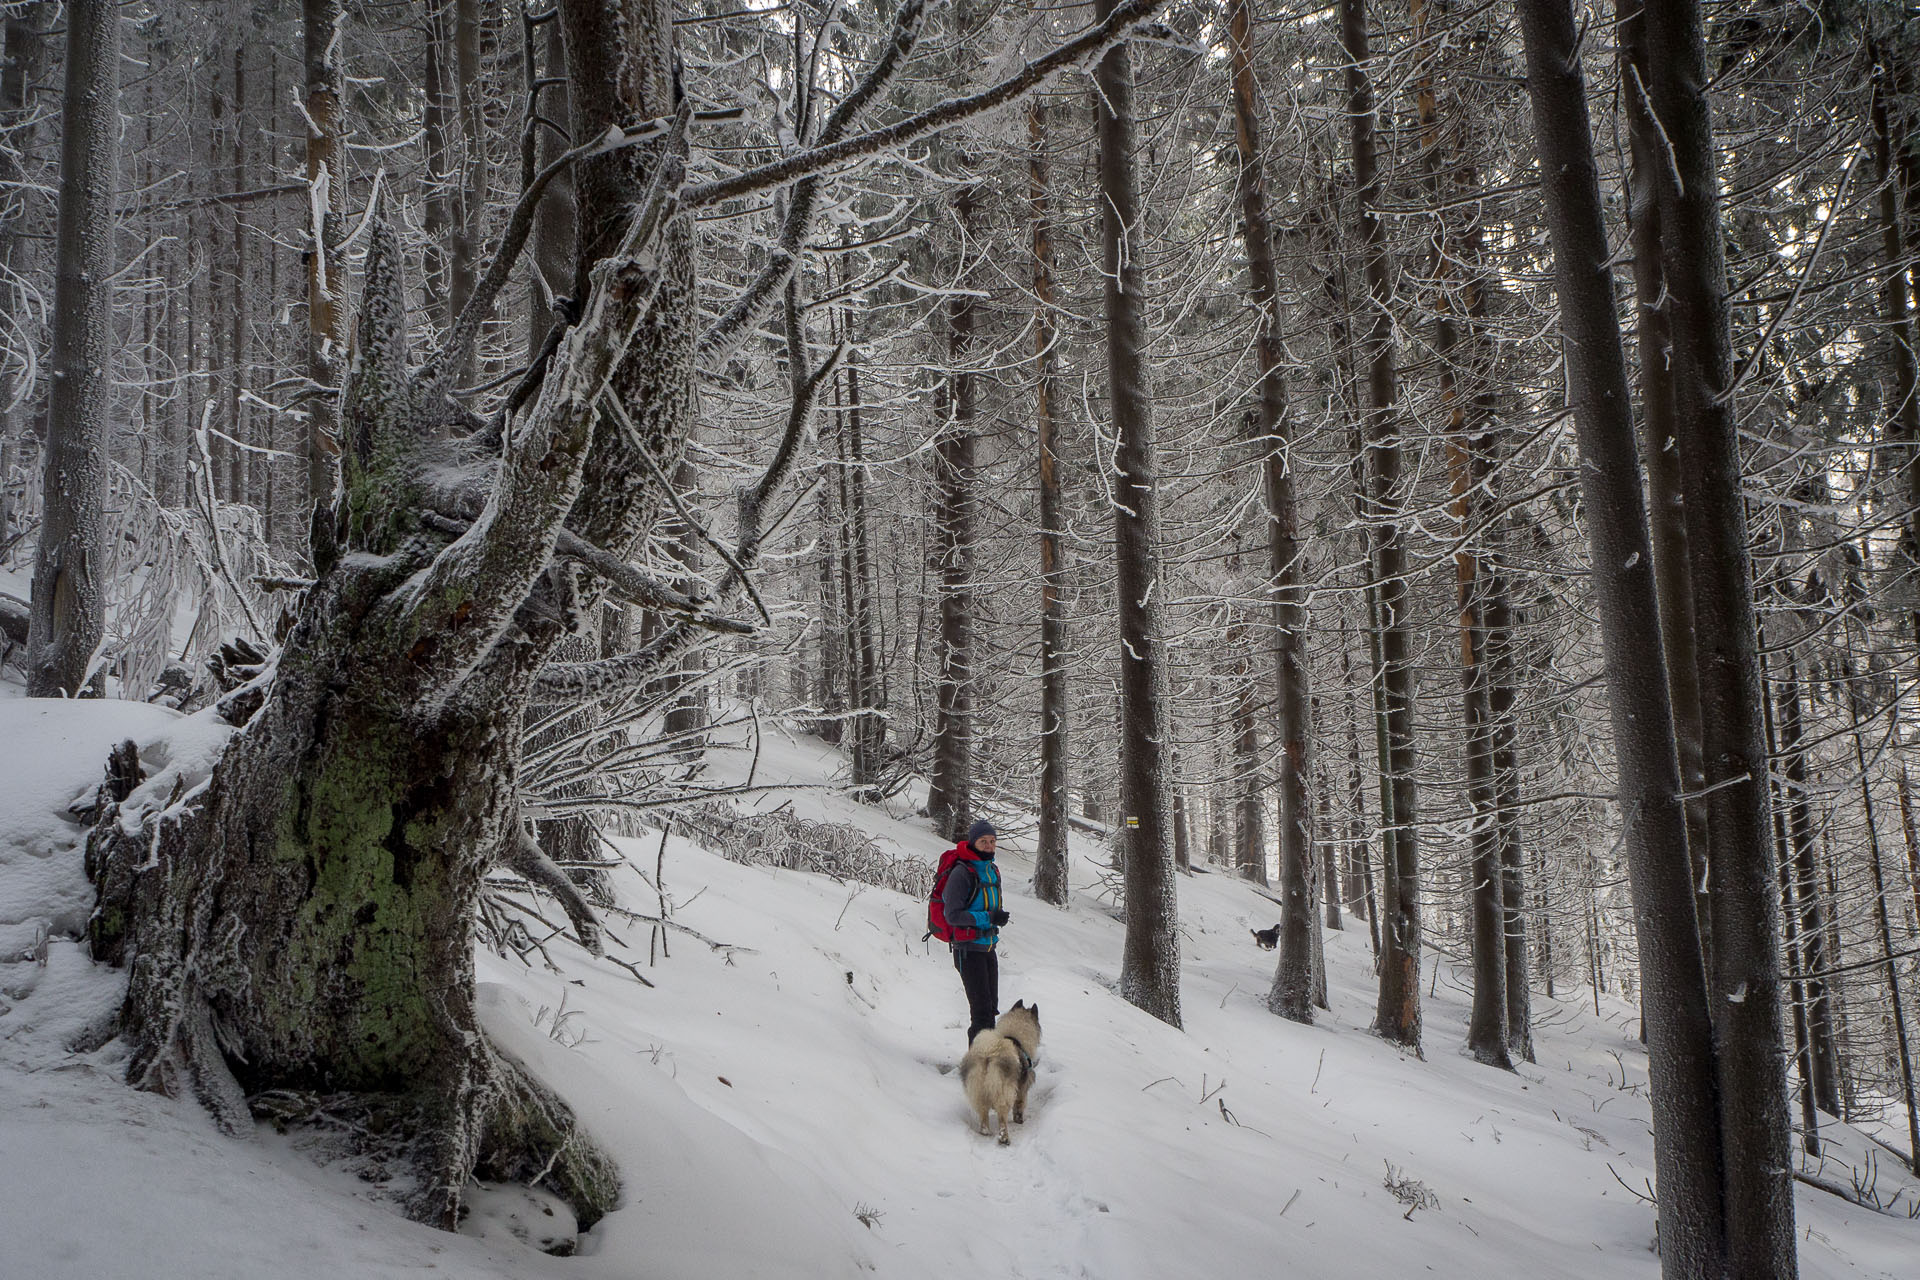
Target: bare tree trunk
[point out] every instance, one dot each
(470, 227)
(1050, 860)
(1903, 424)
(1397, 1016)
(1910, 837)
(1896, 1004)
(239, 465)
(1659, 445)
(1359, 876)
(1291, 995)
(870, 727)
(68, 618)
(950, 783)
(1466, 467)
(553, 220)
(1502, 698)
(1822, 1077)
(1250, 802)
(1150, 964)
(1803, 1052)
(1746, 906)
(327, 200)
(21, 37)
(1688, 1150)
(436, 112)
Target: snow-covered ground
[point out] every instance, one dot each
(782, 1102)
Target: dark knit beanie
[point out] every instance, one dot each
(979, 830)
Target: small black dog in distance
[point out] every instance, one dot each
(1267, 938)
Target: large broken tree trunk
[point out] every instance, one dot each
(317, 905)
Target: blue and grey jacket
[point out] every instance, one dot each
(970, 897)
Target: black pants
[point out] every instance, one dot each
(980, 975)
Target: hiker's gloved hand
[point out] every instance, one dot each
(999, 918)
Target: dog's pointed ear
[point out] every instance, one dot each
(1034, 1009)
(1019, 1004)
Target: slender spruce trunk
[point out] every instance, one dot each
(326, 282)
(870, 725)
(1803, 1056)
(1822, 1077)
(20, 42)
(1896, 1012)
(1745, 956)
(1250, 802)
(1689, 1155)
(1292, 993)
(1397, 1016)
(1903, 422)
(67, 621)
(1150, 962)
(1659, 445)
(950, 783)
(1050, 859)
(475, 182)
(1466, 469)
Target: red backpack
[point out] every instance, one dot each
(937, 925)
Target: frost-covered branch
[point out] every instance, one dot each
(1090, 44)
(477, 583)
(747, 312)
(643, 589)
(465, 330)
(611, 675)
(524, 857)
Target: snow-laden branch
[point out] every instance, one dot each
(524, 856)
(757, 300)
(1083, 48)
(611, 675)
(465, 330)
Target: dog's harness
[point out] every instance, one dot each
(1026, 1059)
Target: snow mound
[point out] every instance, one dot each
(53, 755)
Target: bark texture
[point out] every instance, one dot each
(1745, 955)
(1293, 993)
(1397, 1015)
(1050, 858)
(326, 200)
(1688, 1153)
(1150, 963)
(69, 575)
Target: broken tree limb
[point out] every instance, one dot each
(524, 856)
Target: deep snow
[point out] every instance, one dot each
(782, 1103)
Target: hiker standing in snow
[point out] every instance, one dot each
(971, 899)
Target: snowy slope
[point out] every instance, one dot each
(797, 1073)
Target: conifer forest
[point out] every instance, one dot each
(1452, 464)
